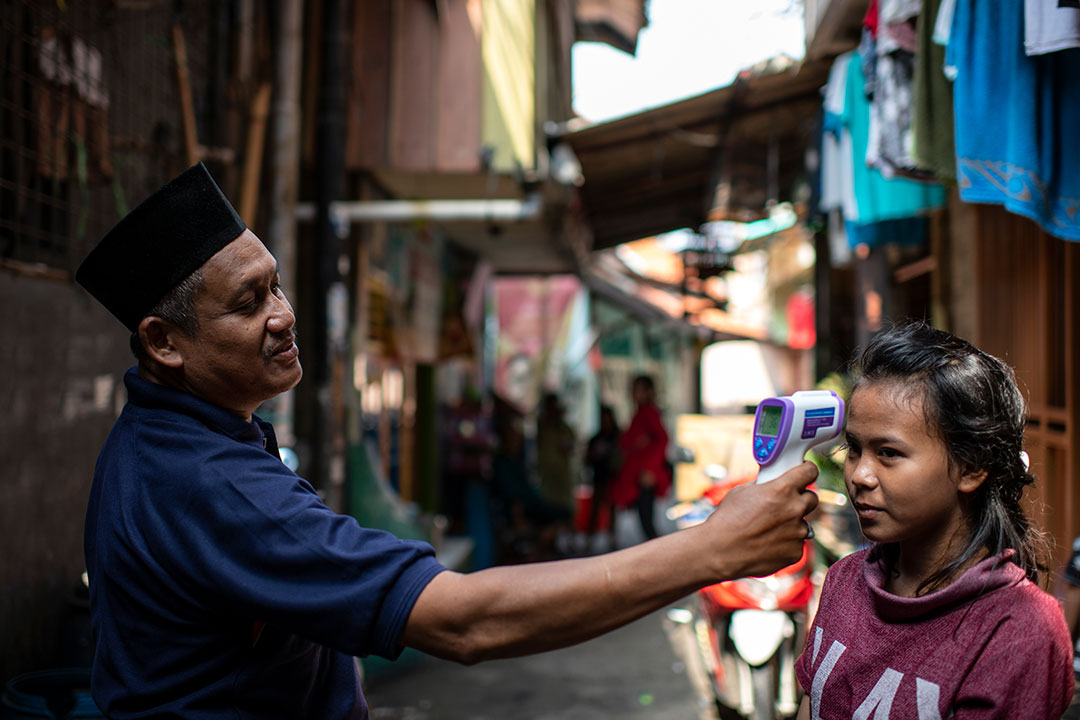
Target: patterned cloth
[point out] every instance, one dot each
(1016, 118)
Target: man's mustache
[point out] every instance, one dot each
(282, 342)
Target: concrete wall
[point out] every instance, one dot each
(62, 355)
(63, 358)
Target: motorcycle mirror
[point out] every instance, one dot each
(683, 454)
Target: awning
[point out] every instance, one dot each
(727, 151)
(833, 26)
(656, 306)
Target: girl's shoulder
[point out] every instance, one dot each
(1010, 607)
(846, 574)
(850, 564)
(1026, 601)
(1025, 644)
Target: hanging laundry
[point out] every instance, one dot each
(877, 198)
(870, 19)
(875, 210)
(837, 179)
(1050, 26)
(903, 231)
(943, 22)
(896, 25)
(837, 195)
(1015, 118)
(866, 53)
(942, 30)
(891, 144)
(932, 114)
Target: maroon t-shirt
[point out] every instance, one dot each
(990, 645)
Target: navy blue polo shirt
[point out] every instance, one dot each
(221, 586)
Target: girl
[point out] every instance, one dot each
(940, 617)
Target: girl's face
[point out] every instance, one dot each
(897, 472)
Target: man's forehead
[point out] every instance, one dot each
(240, 264)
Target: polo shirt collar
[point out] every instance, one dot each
(146, 394)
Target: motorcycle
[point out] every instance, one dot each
(749, 631)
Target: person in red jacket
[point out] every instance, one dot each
(645, 474)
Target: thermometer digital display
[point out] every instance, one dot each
(770, 421)
(786, 427)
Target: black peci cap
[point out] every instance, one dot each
(158, 244)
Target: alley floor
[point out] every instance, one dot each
(639, 671)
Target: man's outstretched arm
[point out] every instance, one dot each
(522, 609)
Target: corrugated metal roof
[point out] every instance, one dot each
(671, 166)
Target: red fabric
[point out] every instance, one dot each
(583, 512)
(802, 333)
(990, 645)
(644, 447)
(870, 20)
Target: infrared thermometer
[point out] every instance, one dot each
(786, 427)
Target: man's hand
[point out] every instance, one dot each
(758, 529)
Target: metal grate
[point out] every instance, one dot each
(89, 119)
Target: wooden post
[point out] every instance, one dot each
(253, 153)
(183, 86)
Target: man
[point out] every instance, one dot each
(221, 586)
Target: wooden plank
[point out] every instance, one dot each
(915, 269)
(459, 88)
(1072, 387)
(638, 191)
(1016, 295)
(253, 153)
(368, 111)
(183, 86)
(412, 86)
(312, 67)
(1057, 331)
(1029, 308)
(1039, 315)
(1048, 413)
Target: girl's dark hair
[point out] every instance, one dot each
(972, 402)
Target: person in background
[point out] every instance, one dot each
(555, 450)
(941, 617)
(1071, 578)
(468, 445)
(645, 474)
(530, 521)
(602, 457)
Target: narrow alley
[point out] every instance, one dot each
(640, 671)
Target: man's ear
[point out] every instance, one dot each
(971, 481)
(157, 340)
